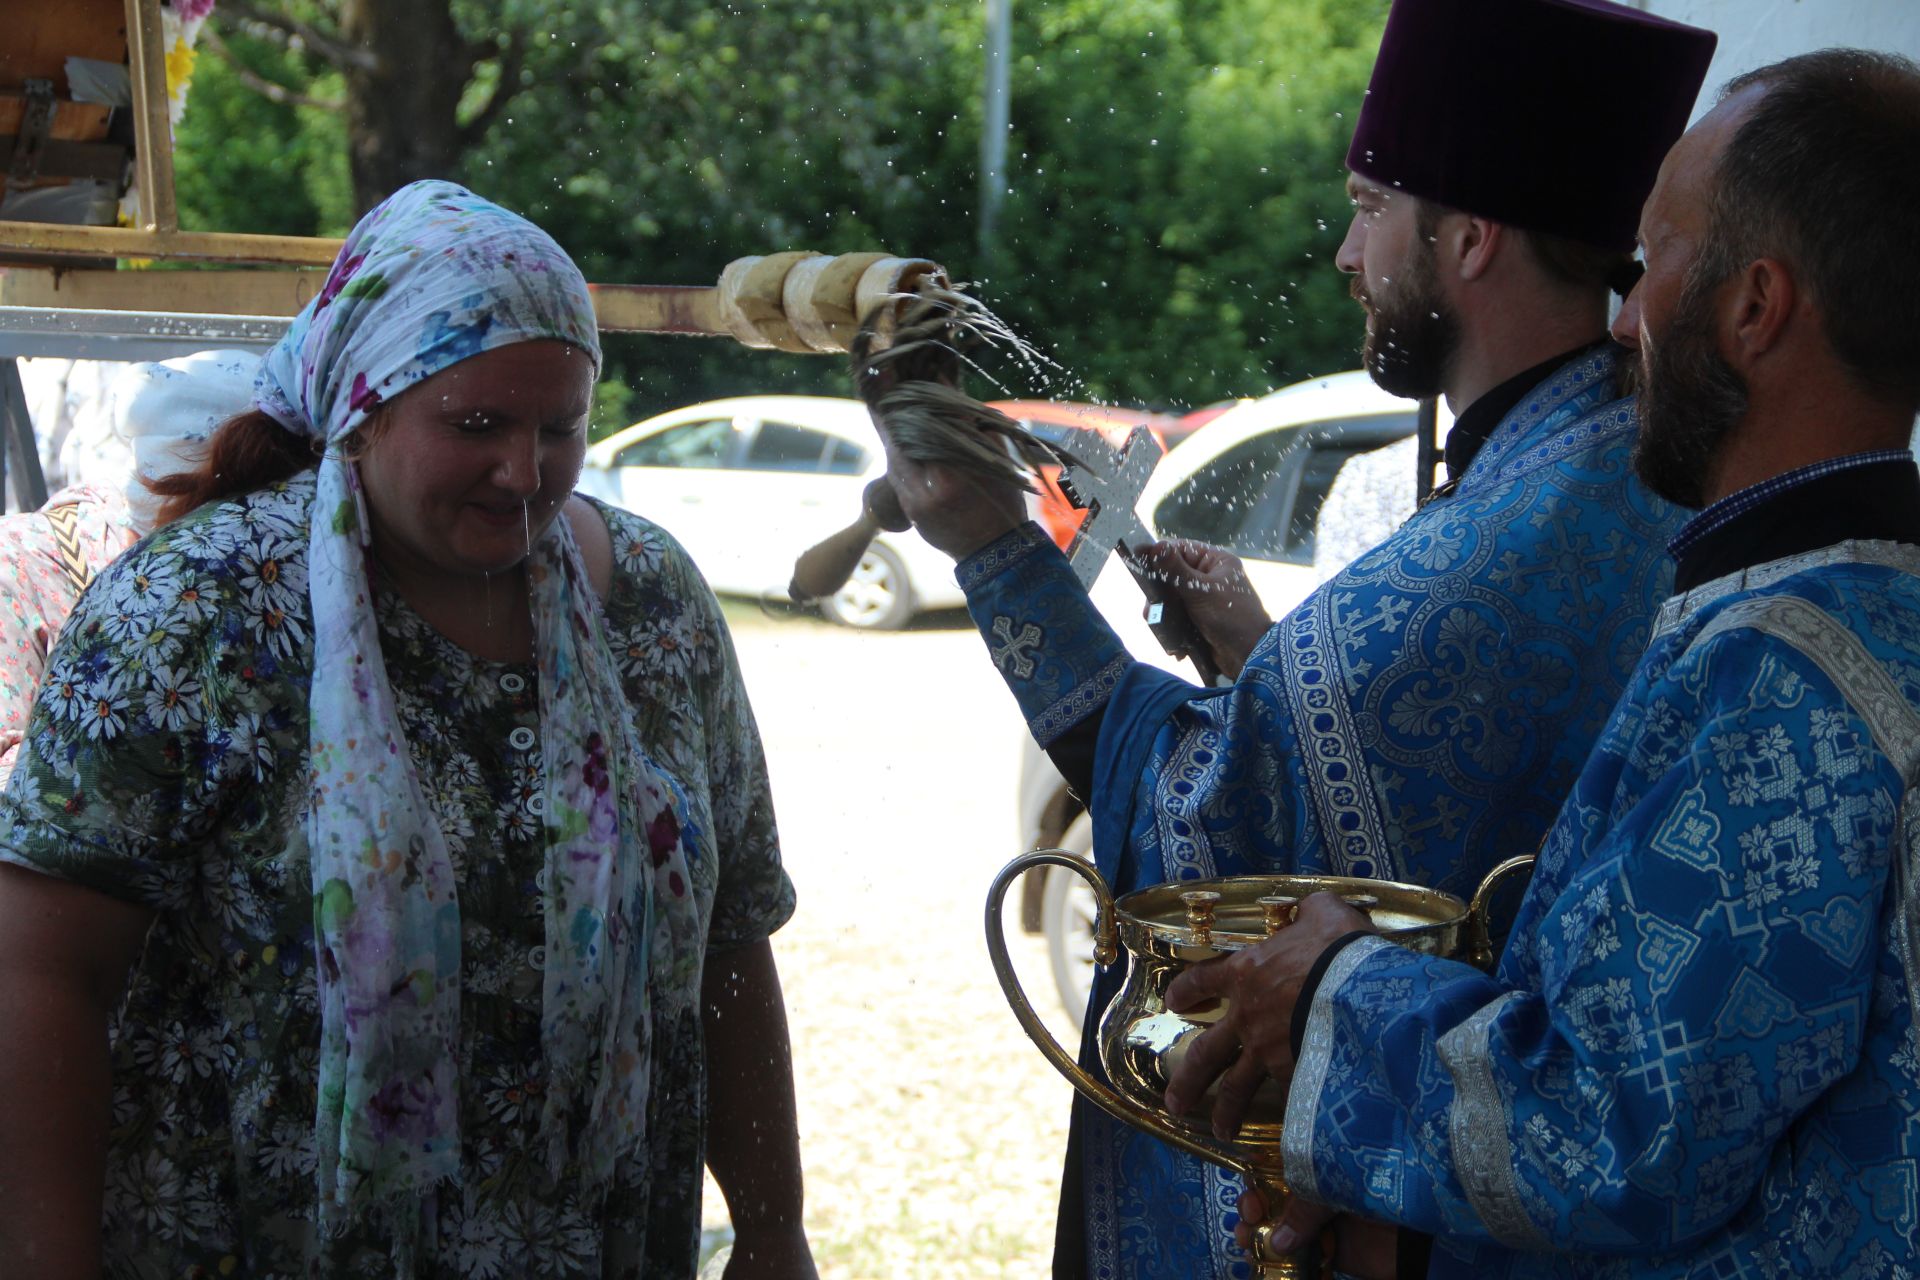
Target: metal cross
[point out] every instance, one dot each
(1109, 492)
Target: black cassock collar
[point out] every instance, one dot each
(1879, 501)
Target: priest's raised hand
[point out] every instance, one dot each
(956, 510)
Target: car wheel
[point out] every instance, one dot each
(1067, 911)
(877, 597)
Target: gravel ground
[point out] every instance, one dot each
(930, 1127)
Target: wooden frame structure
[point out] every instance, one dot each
(58, 266)
(61, 294)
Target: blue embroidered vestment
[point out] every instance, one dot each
(1697, 1056)
(1419, 717)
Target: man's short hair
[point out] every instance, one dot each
(1825, 175)
(1564, 260)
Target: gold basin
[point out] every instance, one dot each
(1166, 928)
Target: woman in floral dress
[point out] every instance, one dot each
(418, 805)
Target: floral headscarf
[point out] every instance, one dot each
(432, 276)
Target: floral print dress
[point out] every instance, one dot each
(166, 765)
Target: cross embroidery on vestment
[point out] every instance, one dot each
(1013, 650)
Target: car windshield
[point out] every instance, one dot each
(691, 444)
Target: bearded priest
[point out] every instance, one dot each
(1422, 714)
(1697, 1054)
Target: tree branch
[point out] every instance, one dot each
(511, 58)
(261, 85)
(330, 47)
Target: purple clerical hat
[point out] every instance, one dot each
(1551, 115)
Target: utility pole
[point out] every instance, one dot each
(993, 126)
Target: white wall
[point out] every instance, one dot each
(1756, 32)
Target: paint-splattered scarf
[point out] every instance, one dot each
(432, 276)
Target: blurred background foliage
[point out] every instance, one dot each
(1173, 181)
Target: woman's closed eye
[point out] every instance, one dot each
(476, 422)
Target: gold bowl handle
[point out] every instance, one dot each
(1479, 936)
(1106, 950)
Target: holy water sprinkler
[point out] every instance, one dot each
(908, 360)
(809, 303)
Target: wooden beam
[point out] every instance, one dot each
(658, 308)
(233, 293)
(620, 308)
(195, 246)
(152, 122)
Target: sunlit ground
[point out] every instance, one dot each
(931, 1128)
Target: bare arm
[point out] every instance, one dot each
(753, 1142)
(596, 543)
(65, 953)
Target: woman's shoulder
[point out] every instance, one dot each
(232, 534)
(663, 619)
(230, 577)
(644, 554)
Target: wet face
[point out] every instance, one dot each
(473, 464)
(1412, 329)
(1691, 399)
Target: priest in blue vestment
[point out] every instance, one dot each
(1421, 715)
(1698, 1055)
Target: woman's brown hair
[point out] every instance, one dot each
(248, 451)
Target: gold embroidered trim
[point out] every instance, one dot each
(1480, 1131)
(1310, 1072)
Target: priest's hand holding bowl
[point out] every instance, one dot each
(1361, 1248)
(1261, 985)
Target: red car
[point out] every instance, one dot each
(1058, 421)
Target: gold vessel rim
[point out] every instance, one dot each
(1236, 916)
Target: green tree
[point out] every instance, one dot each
(245, 161)
(1175, 168)
(676, 136)
(1178, 194)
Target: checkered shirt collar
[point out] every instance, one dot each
(1735, 505)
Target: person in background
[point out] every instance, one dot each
(1420, 716)
(72, 429)
(387, 873)
(1697, 1054)
(156, 414)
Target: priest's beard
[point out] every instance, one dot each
(1412, 332)
(1690, 401)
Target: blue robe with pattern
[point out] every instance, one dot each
(1697, 1056)
(1419, 717)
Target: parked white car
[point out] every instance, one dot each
(749, 483)
(1252, 480)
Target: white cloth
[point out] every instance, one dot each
(161, 415)
(1370, 498)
